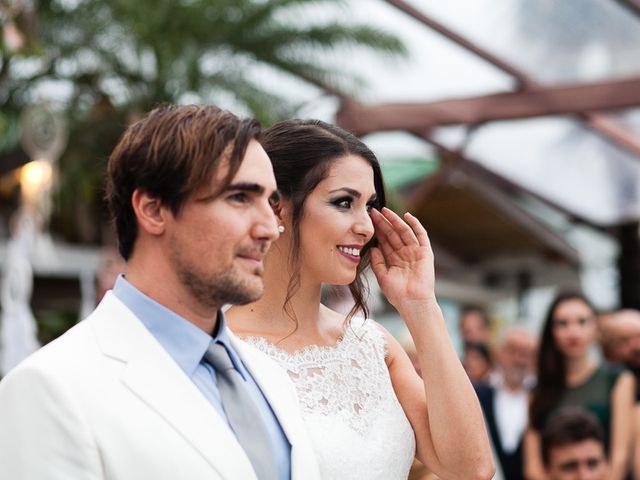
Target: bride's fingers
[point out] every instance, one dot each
(386, 250)
(383, 245)
(378, 265)
(404, 231)
(418, 229)
(385, 231)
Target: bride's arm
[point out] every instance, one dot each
(442, 406)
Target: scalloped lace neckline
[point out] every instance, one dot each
(348, 335)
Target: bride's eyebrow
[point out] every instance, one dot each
(348, 190)
(354, 193)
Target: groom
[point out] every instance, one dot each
(152, 385)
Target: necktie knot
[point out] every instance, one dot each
(218, 357)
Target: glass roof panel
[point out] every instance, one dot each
(630, 119)
(554, 41)
(572, 41)
(435, 68)
(562, 161)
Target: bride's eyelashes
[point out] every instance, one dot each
(344, 202)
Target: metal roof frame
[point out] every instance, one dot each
(600, 122)
(530, 98)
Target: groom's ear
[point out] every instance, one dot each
(151, 215)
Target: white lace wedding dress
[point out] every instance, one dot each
(356, 423)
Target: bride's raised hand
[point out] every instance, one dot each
(403, 260)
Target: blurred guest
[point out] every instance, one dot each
(477, 362)
(516, 356)
(621, 339)
(505, 401)
(568, 376)
(474, 325)
(620, 332)
(573, 447)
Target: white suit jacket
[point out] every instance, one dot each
(106, 401)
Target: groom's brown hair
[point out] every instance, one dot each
(172, 152)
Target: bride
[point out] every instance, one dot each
(366, 409)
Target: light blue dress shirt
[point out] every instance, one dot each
(187, 345)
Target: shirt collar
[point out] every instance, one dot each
(185, 342)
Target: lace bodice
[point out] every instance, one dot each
(355, 421)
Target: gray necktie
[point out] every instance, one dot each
(242, 412)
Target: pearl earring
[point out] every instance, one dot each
(281, 228)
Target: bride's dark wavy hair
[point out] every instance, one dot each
(302, 152)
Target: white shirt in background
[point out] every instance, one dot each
(511, 409)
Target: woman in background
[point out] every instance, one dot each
(568, 376)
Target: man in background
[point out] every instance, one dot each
(621, 339)
(504, 400)
(474, 325)
(573, 447)
(477, 362)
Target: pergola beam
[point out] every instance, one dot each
(467, 44)
(575, 99)
(599, 122)
(455, 159)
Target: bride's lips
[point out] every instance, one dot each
(350, 256)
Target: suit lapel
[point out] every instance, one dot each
(152, 375)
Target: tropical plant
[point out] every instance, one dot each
(103, 62)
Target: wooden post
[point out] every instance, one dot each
(628, 235)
